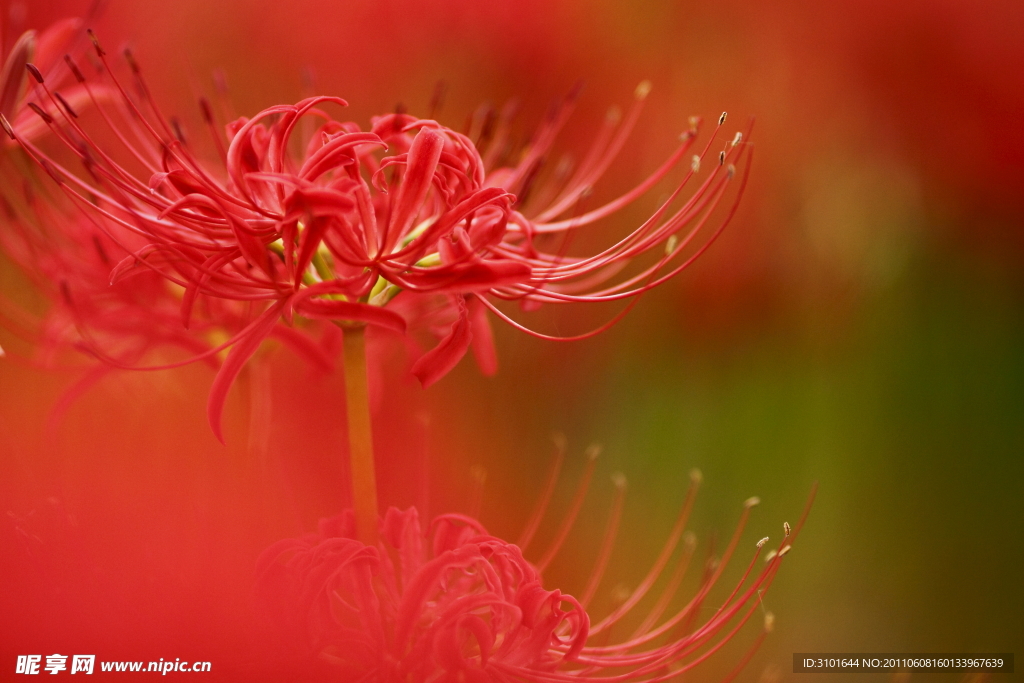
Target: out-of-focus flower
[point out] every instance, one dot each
(406, 224)
(456, 603)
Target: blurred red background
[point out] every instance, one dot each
(879, 246)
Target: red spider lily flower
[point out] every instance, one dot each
(366, 227)
(458, 604)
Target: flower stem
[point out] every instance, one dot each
(360, 436)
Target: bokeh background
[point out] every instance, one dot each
(860, 324)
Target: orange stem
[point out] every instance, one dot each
(360, 436)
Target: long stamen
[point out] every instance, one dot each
(612, 530)
(574, 510)
(545, 498)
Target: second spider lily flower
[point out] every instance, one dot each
(363, 227)
(453, 602)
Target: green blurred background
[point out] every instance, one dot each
(860, 324)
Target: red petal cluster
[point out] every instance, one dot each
(457, 604)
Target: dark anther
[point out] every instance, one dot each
(90, 167)
(437, 99)
(204, 107)
(179, 133)
(6, 126)
(130, 58)
(399, 113)
(487, 129)
(42, 114)
(74, 69)
(529, 182)
(99, 248)
(35, 72)
(8, 209)
(86, 153)
(67, 107)
(48, 167)
(96, 43)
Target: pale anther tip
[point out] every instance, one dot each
(731, 171)
(670, 245)
(619, 480)
(696, 476)
(769, 622)
(642, 90)
(721, 119)
(785, 549)
(760, 544)
(770, 556)
(690, 539)
(593, 450)
(695, 163)
(738, 139)
(787, 528)
(751, 502)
